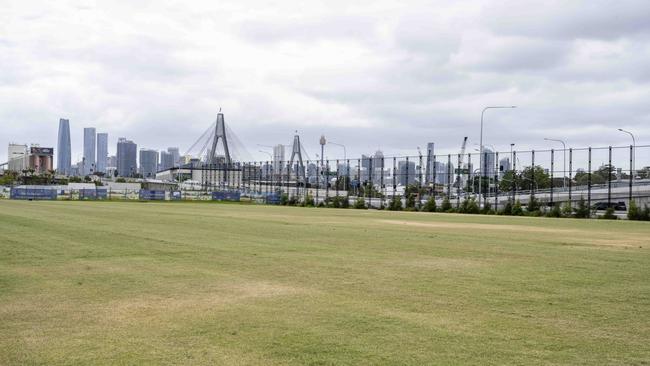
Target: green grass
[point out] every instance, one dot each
(183, 283)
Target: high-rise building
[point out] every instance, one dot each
(127, 156)
(278, 158)
(64, 150)
(111, 161)
(148, 163)
(102, 152)
(489, 163)
(176, 156)
(406, 172)
(504, 166)
(89, 161)
(166, 160)
(430, 163)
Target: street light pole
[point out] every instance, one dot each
(564, 166)
(633, 151)
(480, 179)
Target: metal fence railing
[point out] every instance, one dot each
(602, 176)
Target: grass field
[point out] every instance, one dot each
(198, 283)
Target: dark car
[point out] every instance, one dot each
(617, 206)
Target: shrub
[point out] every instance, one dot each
(446, 205)
(309, 201)
(554, 211)
(284, 199)
(410, 201)
(469, 206)
(609, 214)
(360, 203)
(634, 213)
(345, 202)
(517, 210)
(533, 204)
(487, 209)
(395, 204)
(507, 209)
(567, 210)
(582, 211)
(645, 216)
(293, 201)
(430, 205)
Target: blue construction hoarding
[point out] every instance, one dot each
(33, 194)
(273, 198)
(226, 196)
(151, 195)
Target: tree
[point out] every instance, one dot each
(506, 182)
(537, 175)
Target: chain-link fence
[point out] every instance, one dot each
(604, 177)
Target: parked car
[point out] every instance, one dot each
(617, 206)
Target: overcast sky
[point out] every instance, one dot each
(378, 74)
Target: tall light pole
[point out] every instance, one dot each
(633, 151)
(480, 178)
(564, 166)
(512, 145)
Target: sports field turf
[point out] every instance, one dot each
(200, 283)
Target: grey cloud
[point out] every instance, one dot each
(592, 19)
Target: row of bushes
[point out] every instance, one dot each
(470, 206)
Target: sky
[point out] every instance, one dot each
(389, 75)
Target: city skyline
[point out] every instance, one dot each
(361, 74)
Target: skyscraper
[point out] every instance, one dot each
(278, 157)
(430, 167)
(89, 162)
(176, 156)
(148, 163)
(64, 156)
(102, 152)
(166, 160)
(127, 156)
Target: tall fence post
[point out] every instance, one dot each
(433, 183)
(496, 181)
(359, 179)
(347, 181)
(381, 184)
(631, 174)
(327, 181)
(533, 186)
(609, 178)
(589, 182)
(394, 177)
(570, 174)
(458, 180)
(552, 173)
(449, 176)
(514, 176)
